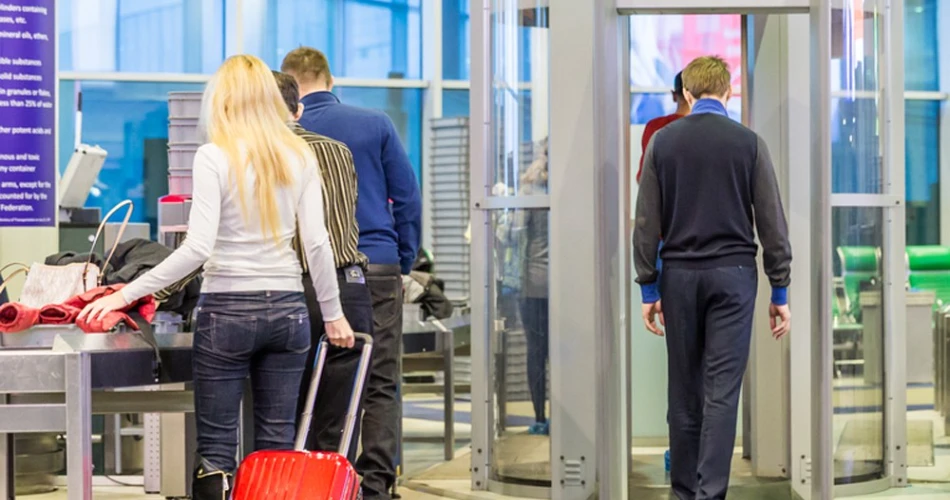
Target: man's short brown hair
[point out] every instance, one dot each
(289, 90)
(307, 64)
(707, 76)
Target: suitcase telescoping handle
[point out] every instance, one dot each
(351, 413)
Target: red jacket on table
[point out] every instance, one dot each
(15, 317)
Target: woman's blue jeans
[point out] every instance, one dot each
(261, 335)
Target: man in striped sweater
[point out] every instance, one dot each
(339, 199)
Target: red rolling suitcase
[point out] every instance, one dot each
(306, 475)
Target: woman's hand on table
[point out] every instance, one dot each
(98, 309)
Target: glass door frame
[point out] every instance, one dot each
(814, 332)
(891, 202)
(485, 331)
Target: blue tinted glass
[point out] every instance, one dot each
(922, 122)
(923, 172)
(921, 61)
(129, 121)
(404, 107)
(456, 41)
(455, 103)
(144, 36)
(456, 38)
(361, 38)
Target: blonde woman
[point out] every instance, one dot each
(253, 182)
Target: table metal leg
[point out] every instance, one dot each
(152, 475)
(112, 444)
(448, 355)
(7, 472)
(78, 426)
(178, 440)
(7, 454)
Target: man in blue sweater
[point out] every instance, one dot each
(389, 214)
(708, 187)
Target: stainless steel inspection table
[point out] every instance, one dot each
(52, 379)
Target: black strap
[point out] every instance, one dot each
(145, 328)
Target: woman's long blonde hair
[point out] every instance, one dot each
(244, 114)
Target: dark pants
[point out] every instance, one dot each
(264, 335)
(708, 328)
(382, 411)
(534, 317)
(333, 398)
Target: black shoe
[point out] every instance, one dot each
(210, 485)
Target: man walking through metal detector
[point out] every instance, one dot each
(389, 213)
(708, 185)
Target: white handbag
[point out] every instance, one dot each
(50, 284)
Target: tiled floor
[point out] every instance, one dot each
(452, 480)
(420, 453)
(426, 479)
(123, 493)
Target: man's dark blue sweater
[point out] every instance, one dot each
(389, 233)
(708, 186)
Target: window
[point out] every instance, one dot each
(377, 39)
(404, 107)
(922, 125)
(921, 61)
(662, 45)
(922, 141)
(129, 121)
(456, 39)
(455, 103)
(146, 36)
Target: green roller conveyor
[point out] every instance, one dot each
(929, 269)
(859, 259)
(858, 265)
(928, 258)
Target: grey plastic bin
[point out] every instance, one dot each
(184, 104)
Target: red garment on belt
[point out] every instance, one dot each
(144, 306)
(106, 323)
(58, 314)
(15, 317)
